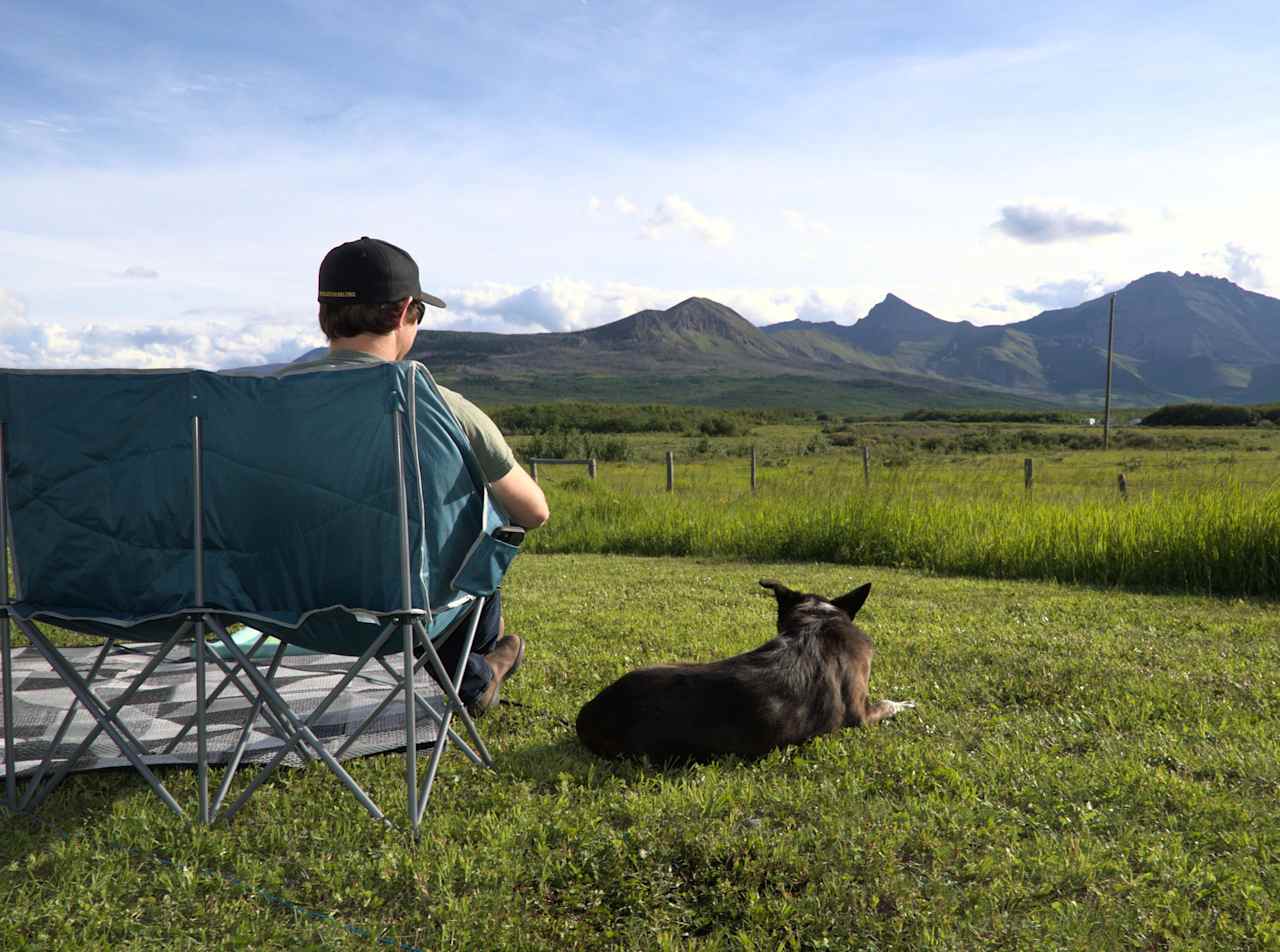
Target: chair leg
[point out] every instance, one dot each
(297, 736)
(33, 784)
(396, 685)
(229, 679)
(451, 690)
(425, 707)
(410, 728)
(44, 647)
(301, 730)
(107, 718)
(202, 731)
(233, 762)
(6, 676)
(455, 705)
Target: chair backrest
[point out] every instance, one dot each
(301, 513)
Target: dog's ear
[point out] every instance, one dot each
(850, 603)
(784, 595)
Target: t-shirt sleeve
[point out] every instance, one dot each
(490, 446)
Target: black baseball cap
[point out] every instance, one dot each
(371, 271)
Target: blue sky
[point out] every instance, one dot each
(170, 176)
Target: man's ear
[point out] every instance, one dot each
(784, 595)
(850, 603)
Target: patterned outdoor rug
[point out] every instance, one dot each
(162, 707)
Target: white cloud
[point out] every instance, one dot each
(844, 305)
(138, 271)
(674, 214)
(620, 206)
(29, 343)
(797, 222)
(1244, 267)
(217, 338)
(1064, 293)
(563, 304)
(559, 304)
(1042, 224)
(11, 306)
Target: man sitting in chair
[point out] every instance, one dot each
(370, 307)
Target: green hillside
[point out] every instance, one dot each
(1178, 338)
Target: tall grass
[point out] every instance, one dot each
(1212, 537)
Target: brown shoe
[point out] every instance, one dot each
(505, 660)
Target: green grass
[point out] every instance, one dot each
(1087, 769)
(1204, 521)
(905, 441)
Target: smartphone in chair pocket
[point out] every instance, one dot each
(511, 535)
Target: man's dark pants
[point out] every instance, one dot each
(478, 674)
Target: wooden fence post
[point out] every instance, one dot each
(533, 470)
(753, 469)
(866, 465)
(671, 471)
(1027, 473)
(591, 467)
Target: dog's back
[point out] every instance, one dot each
(809, 680)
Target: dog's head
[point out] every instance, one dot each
(794, 608)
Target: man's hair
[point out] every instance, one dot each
(339, 320)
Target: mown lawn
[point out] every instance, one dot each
(1087, 769)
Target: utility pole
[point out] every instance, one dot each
(1111, 346)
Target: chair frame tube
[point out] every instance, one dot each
(202, 740)
(69, 764)
(233, 763)
(106, 717)
(229, 678)
(6, 649)
(33, 784)
(301, 729)
(406, 625)
(295, 738)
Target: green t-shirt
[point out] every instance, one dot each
(490, 446)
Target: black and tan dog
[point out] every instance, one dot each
(811, 679)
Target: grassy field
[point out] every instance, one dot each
(1087, 769)
(1197, 517)
(899, 443)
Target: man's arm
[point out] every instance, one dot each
(521, 498)
(515, 492)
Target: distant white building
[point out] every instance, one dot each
(1093, 421)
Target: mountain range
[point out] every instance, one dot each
(1178, 338)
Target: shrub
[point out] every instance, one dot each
(611, 449)
(554, 444)
(585, 417)
(1202, 414)
(722, 425)
(992, 416)
(570, 444)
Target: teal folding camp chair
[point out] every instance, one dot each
(339, 510)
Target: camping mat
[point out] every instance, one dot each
(162, 706)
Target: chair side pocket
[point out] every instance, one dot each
(485, 565)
